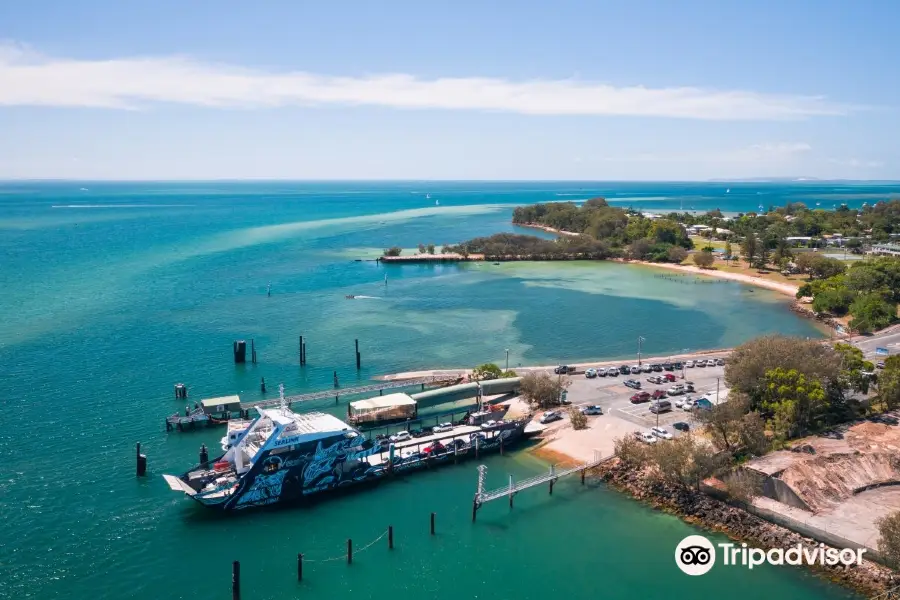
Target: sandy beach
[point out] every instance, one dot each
(547, 229)
(784, 288)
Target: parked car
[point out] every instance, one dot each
(442, 428)
(658, 393)
(660, 406)
(676, 390)
(601, 372)
(689, 405)
(434, 448)
(640, 397)
(656, 368)
(646, 368)
(670, 377)
(879, 364)
(400, 436)
(635, 370)
(612, 372)
(700, 363)
(678, 366)
(477, 436)
(455, 444)
(590, 373)
(681, 426)
(592, 409)
(689, 386)
(564, 369)
(668, 366)
(661, 432)
(689, 364)
(720, 362)
(711, 362)
(655, 379)
(489, 424)
(633, 383)
(624, 370)
(416, 433)
(550, 416)
(645, 437)
(679, 402)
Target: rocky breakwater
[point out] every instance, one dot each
(701, 509)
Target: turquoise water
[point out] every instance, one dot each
(113, 293)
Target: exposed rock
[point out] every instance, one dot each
(701, 509)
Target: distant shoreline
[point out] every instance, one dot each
(784, 288)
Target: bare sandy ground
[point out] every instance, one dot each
(784, 288)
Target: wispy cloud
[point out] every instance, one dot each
(856, 163)
(31, 79)
(762, 152)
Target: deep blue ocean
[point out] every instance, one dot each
(114, 292)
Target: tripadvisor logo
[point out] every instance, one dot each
(696, 555)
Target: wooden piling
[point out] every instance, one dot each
(349, 551)
(299, 567)
(262, 385)
(582, 476)
(432, 523)
(474, 508)
(551, 487)
(501, 444)
(390, 537)
(302, 351)
(240, 351)
(141, 462)
(236, 580)
(357, 354)
(252, 351)
(335, 378)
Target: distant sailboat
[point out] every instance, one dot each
(761, 209)
(818, 204)
(437, 202)
(428, 196)
(728, 191)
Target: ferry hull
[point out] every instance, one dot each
(297, 476)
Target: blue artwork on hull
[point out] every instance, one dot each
(284, 457)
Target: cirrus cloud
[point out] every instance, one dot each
(28, 78)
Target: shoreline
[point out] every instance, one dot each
(784, 288)
(547, 229)
(705, 510)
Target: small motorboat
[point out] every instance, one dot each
(350, 296)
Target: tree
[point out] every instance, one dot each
(542, 389)
(782, 252)
(486, 371)
(835, 302)
(728, 251)
(421, 248)
(750, 248)
(393, 251)
(889, 538)
(871, 312)
(795, 402)
(639, 249)
(889, 383)
(676, 254)
(577, 418)
(852, 367)
(747, 367)
(704, 259)
(430, 248)
(631, 451)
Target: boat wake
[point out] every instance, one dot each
(367, 297)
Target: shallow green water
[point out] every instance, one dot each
(106, 308)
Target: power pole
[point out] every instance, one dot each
(640, 341)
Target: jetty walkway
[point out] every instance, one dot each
(483, 496)
(435, 379)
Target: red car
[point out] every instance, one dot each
(670, 377)
(657, 394)
(435, 448)
(640, 397)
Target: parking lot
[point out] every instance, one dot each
(621, 416)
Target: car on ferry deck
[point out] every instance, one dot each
(442, 428)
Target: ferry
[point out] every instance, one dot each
(283, 456)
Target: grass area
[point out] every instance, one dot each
(702, 242)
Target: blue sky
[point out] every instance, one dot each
(449, 90)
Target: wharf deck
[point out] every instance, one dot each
(365, 389)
